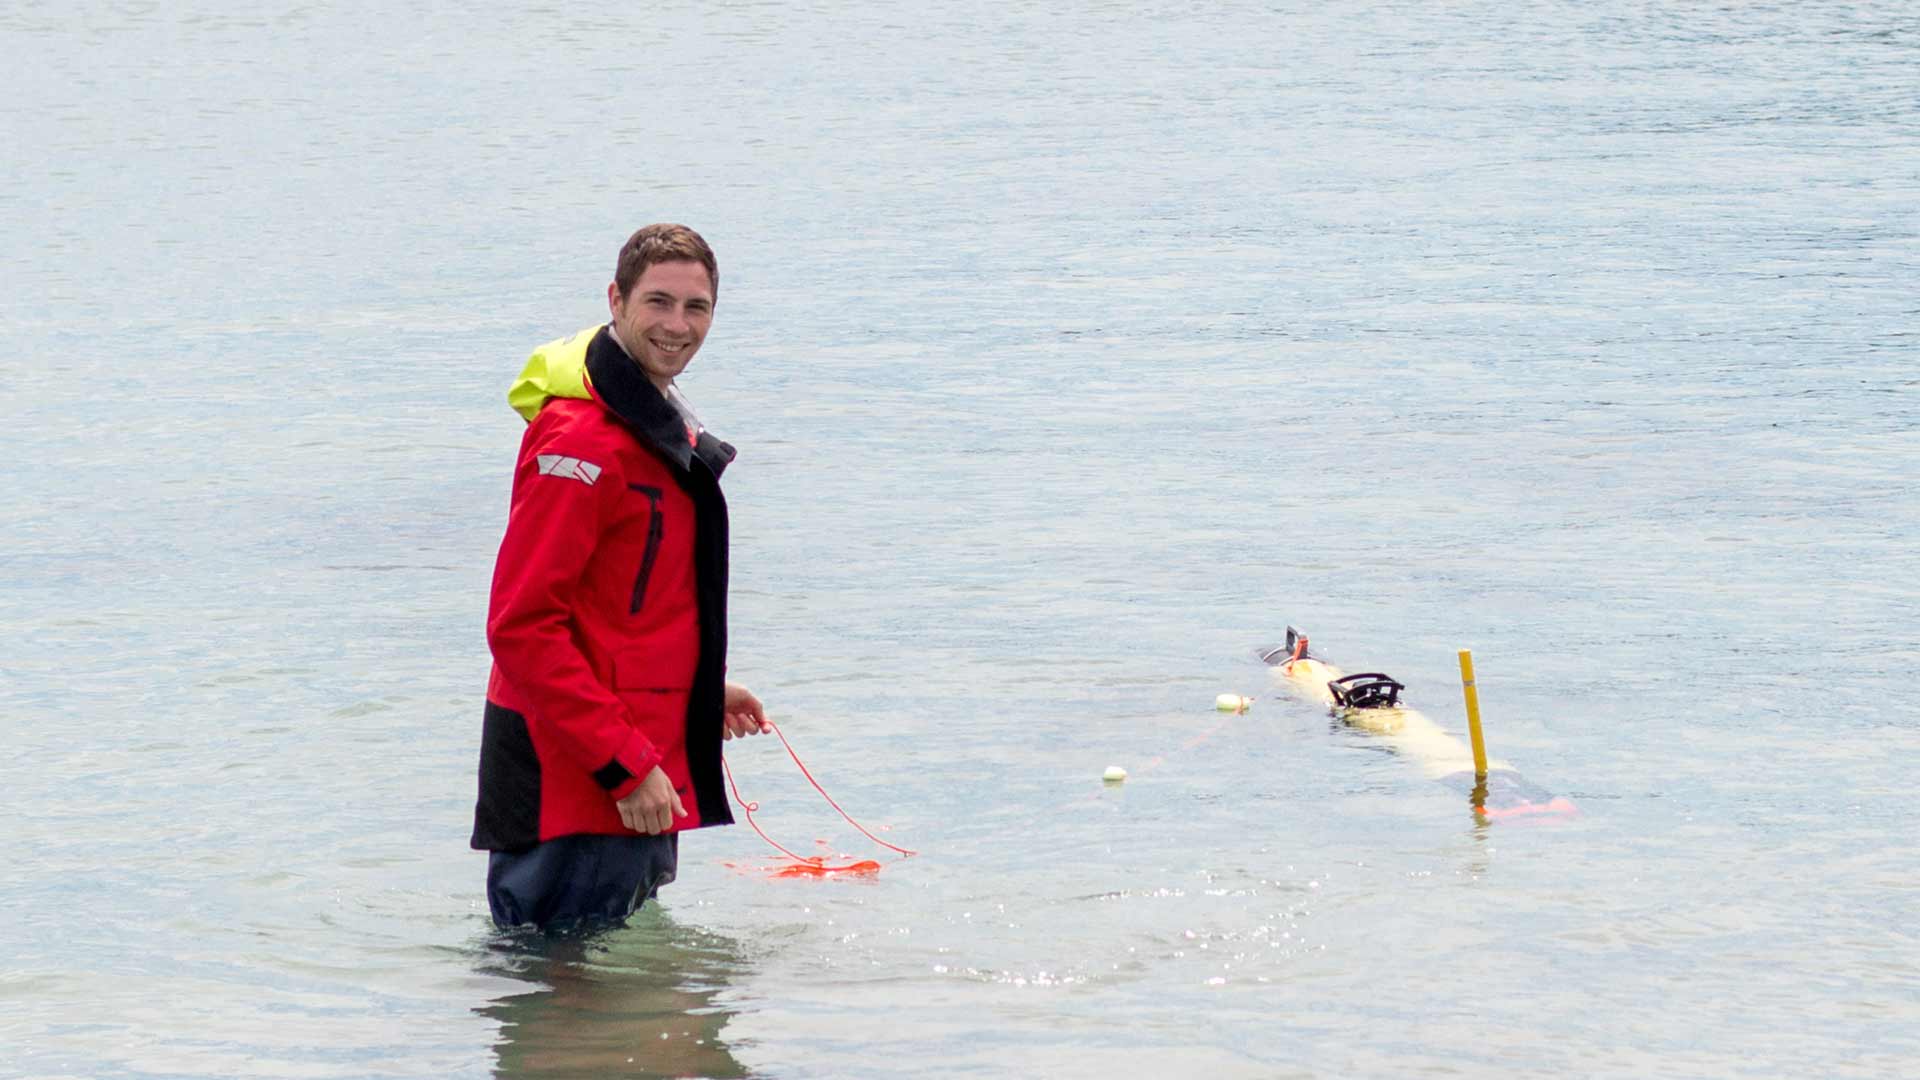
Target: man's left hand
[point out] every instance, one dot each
(744, 713)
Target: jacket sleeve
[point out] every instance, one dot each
(562, 494)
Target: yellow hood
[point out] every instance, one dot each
(556, 369)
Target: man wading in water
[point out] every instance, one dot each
(608, 702)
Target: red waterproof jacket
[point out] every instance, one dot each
(608, 615)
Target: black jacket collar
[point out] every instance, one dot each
(625, 390)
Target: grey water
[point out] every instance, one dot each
(1072, 351)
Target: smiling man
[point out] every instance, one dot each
(608, 701)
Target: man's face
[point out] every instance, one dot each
(663, 319)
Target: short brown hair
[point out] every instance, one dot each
(663, 243)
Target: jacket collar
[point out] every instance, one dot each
(626, 391)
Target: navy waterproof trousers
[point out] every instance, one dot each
(579, 882)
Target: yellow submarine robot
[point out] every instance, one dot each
(1370, 702)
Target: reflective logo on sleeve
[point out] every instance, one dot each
(557, 465)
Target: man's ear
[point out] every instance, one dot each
(613, 298)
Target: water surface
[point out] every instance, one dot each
(1072, 353)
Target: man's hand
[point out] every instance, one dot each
(651, 807)
(745, 715)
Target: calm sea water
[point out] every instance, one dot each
(1073, 351)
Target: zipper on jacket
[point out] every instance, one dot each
(656, 530)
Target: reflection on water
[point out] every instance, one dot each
(639, 1001)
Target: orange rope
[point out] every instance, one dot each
(1299, 653)
(815, 864)
(829, 798)
(750, 807)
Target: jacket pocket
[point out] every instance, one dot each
(656, 531)
(655, 688)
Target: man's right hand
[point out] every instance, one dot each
(651, 807)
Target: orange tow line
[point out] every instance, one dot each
(816, 865)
